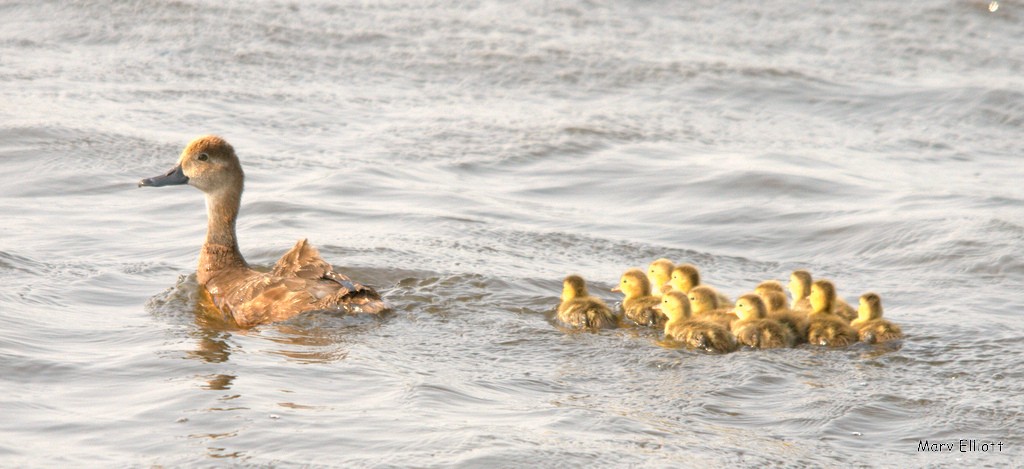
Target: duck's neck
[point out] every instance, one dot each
(220, 251)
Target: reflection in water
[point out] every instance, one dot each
(219, 382)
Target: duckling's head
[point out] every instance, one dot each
(749, 306)
(769, 285)
(799, 284)
(675, 305)
(774, 301)
(659, 272)
(870, 307)
(685, 277)
(208, 163)
(573, 286)
(823, 296)
(634, 283)
(703, 299)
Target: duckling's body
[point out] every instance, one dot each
(300, 281)
(658, 273)
(579, 310)
(704, 304)
(686, 277)
(682, 327)
(800, 282)
(824, 327)
(755, 329)
(800, 290)
(638, 305)
(777, 305)
(870, 326)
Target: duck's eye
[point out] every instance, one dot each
(203, 157)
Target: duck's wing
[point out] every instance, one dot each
(304, 262)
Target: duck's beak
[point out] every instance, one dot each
(173, 177)
(616, 289)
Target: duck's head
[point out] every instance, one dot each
(870, 307)
(675, 305)
(208, 163)
(573, 286)
(823, 296)
(634, 283)
(703, 299)
(774, 300)
(659, 272)
(799, 284)
(749, 306)
(769, 285)
(685, 277)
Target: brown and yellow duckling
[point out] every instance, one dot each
(682, 327)
(755, 329)
(579, 310)
(638, 304)
(777, 305)
(658, 273)
(870, 326)
(705, 306)
(825, 327)
(686, 277)
(800, 288)
(300, 281)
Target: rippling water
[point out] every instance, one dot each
(464, 157)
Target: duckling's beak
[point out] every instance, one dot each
(173, 177)
(657, 307)
(616, 289)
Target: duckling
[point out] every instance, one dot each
(770, 285)
(800, 287)
(300, 281)
(705, 306)
(579, 310)
(777, 305)
(693, 332)
(658, 273)
(755, 329)
(825, 328)
(686, 277)
(870, 326)
(638, 305)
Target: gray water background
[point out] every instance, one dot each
(463, 157)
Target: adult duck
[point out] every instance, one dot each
(300, 281)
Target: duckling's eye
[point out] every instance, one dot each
(203, 157)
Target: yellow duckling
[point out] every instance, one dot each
(825, 327)
(300, 281)
(800, 288)
(770, 285)
(579, 310)
(755, 329)
(869, 323)
(692, 332)
(686, 277)
(777, 305)
(658, 273)
(638, 304)
(704, 305)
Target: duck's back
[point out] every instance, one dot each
(877, 330)
(703, 335)
(831, 330)
(300, 281)
(763, 333)
(795, 321)
(586, 312)
(641, 311)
